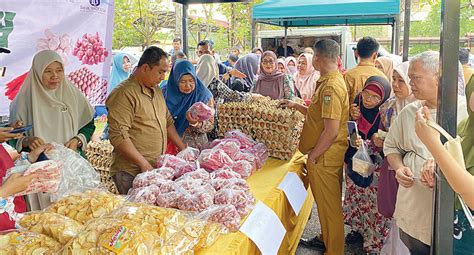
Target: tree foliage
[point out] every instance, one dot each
(135, 23)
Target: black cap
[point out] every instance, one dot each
(4, 50)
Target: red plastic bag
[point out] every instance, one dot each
(145, 195)
(234, 183)
(226, 214)
(201, 111)
(180, 165)
(241, 199)
(230, 146)
(214, 159)
(243, 168)
(261, 153)
(200, 174)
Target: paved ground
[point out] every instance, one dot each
(313, 228)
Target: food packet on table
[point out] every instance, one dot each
(85, 206)
(152, 177)
(48, 177)
(145, 194)
(189, 154)
(212, 231)
(198, 174)
(229, 145)
(214, 159)
(168, 199)
(261, 153)
(241, 199)
(59, 227)
(226, 215)
(26, 242)
(233, 183)
(225, 173)
(180, 165)
(77, 174)
(245, 141)
(196, 199)
(362, 163)
(201, 111)
(115, 236)
(243, 167)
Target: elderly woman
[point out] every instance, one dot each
(183, 90)
(271, 82)
(58, 111)
(407, 154)
(306, 77)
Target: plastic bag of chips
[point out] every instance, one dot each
(27, 242)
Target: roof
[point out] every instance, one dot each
(209, 1)
(299, 13)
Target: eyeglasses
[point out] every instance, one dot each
(268, 62)
(373, 98)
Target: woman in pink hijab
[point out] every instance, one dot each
(271, 82)
(306, 77)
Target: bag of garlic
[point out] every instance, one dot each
(77, 174)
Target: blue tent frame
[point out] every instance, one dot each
(306, 13)
(297, 13)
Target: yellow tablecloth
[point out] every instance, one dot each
(264, 185)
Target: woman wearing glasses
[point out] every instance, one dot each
(360, 203)
(271, 82)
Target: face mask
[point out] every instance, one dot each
(292, 69)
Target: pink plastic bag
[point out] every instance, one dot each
(261, 153)
(230, 146)
(234, 183)
(146, 179)
(226, 215)
(224, 174)
(201, 111)
(243, 168)
(199, 174)
(180, 165)
(48, 177)
(169, 199)
(145, 195)
(241, 199)
(245, 141)
(189, 154)
(196, 199)
(214, 159)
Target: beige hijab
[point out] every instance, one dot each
(206, 69)
(306, 82)
(56, 115)
(402, 70)
(387, 66)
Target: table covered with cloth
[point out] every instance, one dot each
(264, 185)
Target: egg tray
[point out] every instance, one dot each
(278, 128)
(100, 156)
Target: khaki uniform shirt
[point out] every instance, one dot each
(468, 72)
(356, 77)
(330, 101)
(138, 113)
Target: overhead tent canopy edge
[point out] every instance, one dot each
(304, 13)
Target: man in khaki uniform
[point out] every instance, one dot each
(355, 78)
(324, 139)
(139, 121)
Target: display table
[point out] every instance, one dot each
(264, 185)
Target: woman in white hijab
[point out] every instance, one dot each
(58, 111)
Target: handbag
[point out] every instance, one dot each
(453, 145)
(387, 191)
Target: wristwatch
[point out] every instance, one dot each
(79, 141)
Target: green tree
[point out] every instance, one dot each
(431, 27)
(135, 23)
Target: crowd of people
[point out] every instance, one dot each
(388, 211)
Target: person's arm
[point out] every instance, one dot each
(471, 101)
(458, 178)
(303, 109)
(121, 112)
(79, 142)
(16, 183)
(403, 174)
(327, 138)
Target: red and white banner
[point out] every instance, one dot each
(80, 31)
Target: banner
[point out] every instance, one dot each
(80, 31)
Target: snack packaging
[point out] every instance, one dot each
(27, 242)
(214, 159)
(180, 165)
(47, 180)
(225, 214)
(201, 111)
(189, 154)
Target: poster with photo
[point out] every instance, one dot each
(80, 31)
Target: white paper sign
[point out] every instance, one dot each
(264, 228)
(294, 190)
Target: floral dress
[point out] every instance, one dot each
(361, 212)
